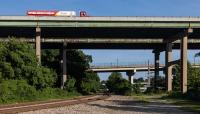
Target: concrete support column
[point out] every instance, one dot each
(131, 79)
(156, 64)
(183, 64)
(130, 76)
(168, 59)
(38, 44)
(64, 67)
(61, 69)
(64, 70)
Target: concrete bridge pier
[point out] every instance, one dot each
(156, 64)
(130, 75)
(64, 65)
(38, 44)
(168, 66)
(183, 62)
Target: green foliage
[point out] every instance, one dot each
(70, 85)
(193, 82)
(49, 93)
(18, 61)
(197, 54)
(77, 61)
(176, 78)
(16, 90)
(51, 59)
(7, 71)
(136, 88)
(194, 79)
(117, 84)
(21, 91)
(139, 80)
(22, 78)
(90, 83)
(43, 77)
(1, 78)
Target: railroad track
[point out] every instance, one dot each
(24, 107)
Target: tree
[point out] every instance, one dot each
(18, 61)
(176, 78)
(51, 59)
(117, 84)
(90, 83)
(78, 63)
(139, 80)
(197, 54)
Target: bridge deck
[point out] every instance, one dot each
(166, 22)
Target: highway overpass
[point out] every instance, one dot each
(135, 68)
(130, 69)
(156, 33)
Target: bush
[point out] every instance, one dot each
(19, 91)
(89, 87)
(193, 82)
(18, 62)
(90, 83)
(16, 90)
(44, 77)
(136, 88)
(48, 93)
(23, 79)
(70, 85)
(55, 93)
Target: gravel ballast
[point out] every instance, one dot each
(114, 105)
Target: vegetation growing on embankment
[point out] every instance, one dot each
(182, 103)
(23, 79)
(188, 101)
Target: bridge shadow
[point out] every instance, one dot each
(138, 106)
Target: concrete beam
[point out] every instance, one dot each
(116, 40)
(102, 40)
(38, 44)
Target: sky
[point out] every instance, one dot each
(112, 8)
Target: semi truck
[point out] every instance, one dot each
(55, 13)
